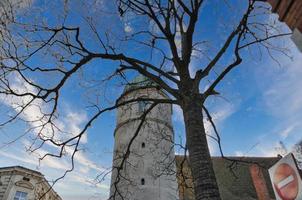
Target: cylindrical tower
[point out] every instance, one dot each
(148, 172)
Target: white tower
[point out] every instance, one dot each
(148, 172)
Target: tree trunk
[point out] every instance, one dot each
(205, 185)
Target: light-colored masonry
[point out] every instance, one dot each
(19, 180)
(297, 38)
(149, 170)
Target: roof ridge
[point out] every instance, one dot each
(21, 167)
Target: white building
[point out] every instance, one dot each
(19, 183)
(148, 172)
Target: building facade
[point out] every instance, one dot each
(19, 183)
(144, 158)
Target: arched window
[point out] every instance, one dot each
(143, 145)
(142, 181)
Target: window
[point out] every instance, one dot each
(143, 181)
(143, 145)
(26, 179)
(20, 196)
(142, 106)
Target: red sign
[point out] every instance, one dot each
(286, 179)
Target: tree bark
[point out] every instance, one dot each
(205, 185)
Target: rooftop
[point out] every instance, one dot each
(20, 168)
(139, 81)
(234, 183)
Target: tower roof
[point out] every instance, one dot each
(139, 81)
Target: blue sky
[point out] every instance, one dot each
(260, 103)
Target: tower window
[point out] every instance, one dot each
(142, 181)
(142, 106)
(143, 145)
(26, 179)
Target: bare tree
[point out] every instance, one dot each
(296, 150)
(167, 31)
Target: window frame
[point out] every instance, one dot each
(20, 195)
(143, 106)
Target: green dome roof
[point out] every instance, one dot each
(139, 82)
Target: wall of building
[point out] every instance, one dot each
(4, 182)
(151, 157)
(23, 180)
(236, 181)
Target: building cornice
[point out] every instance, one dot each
(157, 89)
(119, 125)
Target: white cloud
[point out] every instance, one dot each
(77, 186)
(213, 146)
(128, 28)
(287, 131)
(283, 96)
(221, 112)
(74, 177)
(82, 159)
(82, 197)
(72, 122)
(81, 179)
(33, 113)
(281, 100)
(193, 69)
(239, 153)
(23, 159)
(32, 159)
(266, 151)
(49, 161)
(177, 114)
(69, 123)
